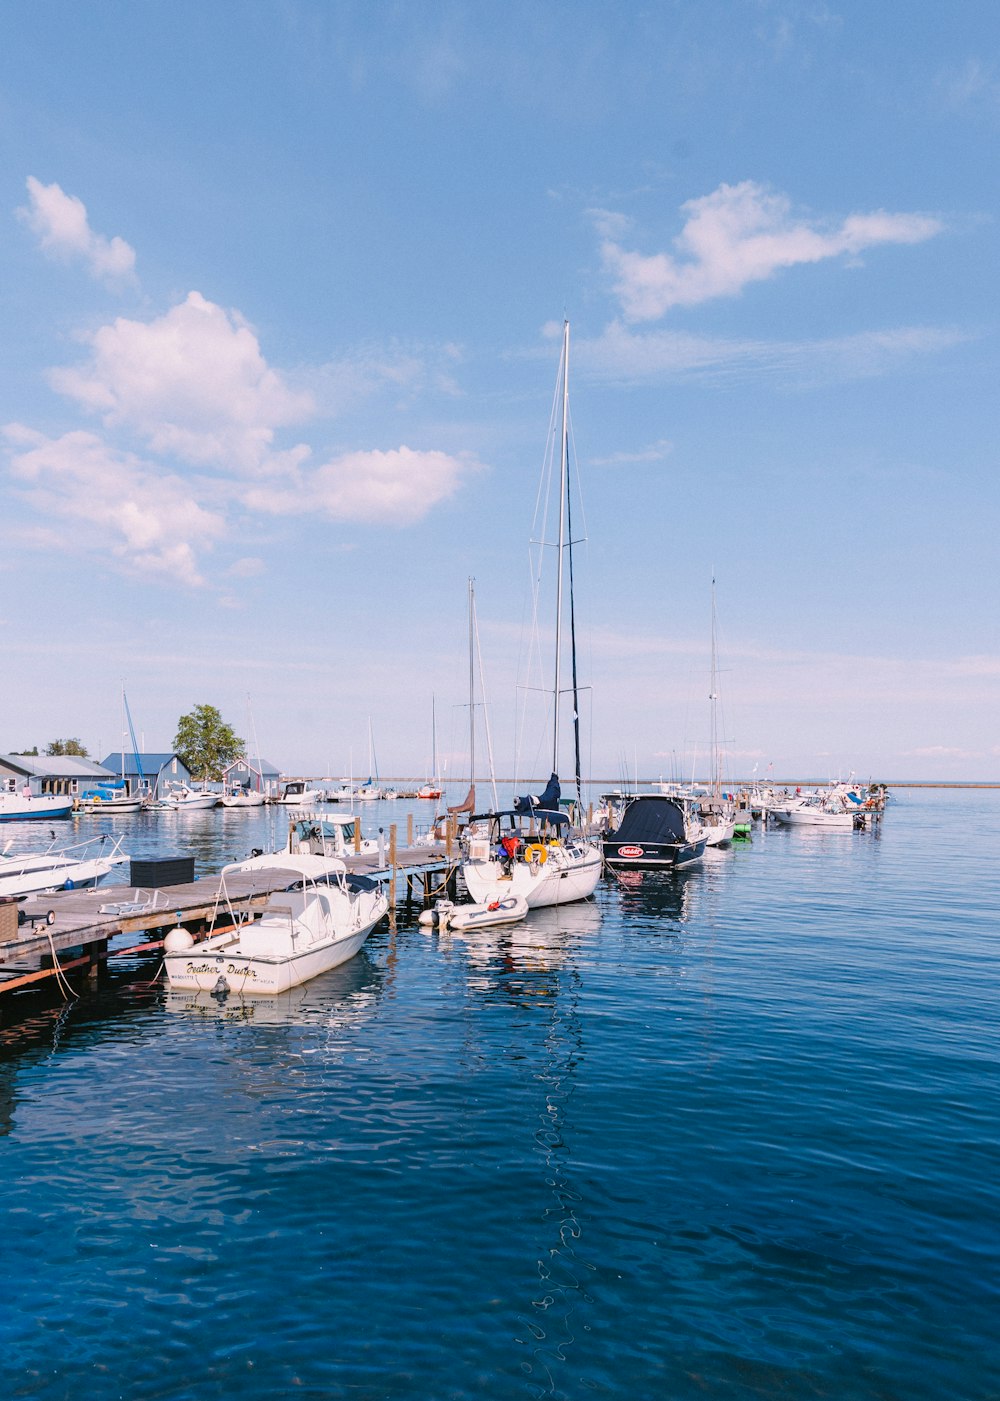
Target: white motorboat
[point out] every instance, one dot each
(302, 932)
(332, 836)
(179, 797)
(815, 810)
(238, 796)
(60, 867)
(29, 806)
(298, 794)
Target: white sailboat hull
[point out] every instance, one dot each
(111, 805)
(243, 800)
(568, 874)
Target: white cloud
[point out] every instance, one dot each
(148, 520)
(737, 235)
(396, 487)
(192, 384)
(60, 221)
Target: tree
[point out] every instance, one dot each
(66, 746)
(206, 743)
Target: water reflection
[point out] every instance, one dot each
(659, 895)
(338, 1000)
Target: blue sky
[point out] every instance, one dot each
(283, 284)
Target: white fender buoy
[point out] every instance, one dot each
(178, 940)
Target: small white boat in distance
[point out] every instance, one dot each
(179, 797)
(817, 811)
(296, 794)
(237, 796)
(301, 933)
(60, 867)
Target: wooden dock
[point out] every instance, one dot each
(82, 929)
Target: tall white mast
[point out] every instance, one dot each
(472, 682)
(714, 699)
(563, 488)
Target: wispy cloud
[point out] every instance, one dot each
(656, 452)
(736, 235)
(625, 356)
(970, 87)
(60, 222)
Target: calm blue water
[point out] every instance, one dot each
(729, 1134)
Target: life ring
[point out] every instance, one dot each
(536, 852)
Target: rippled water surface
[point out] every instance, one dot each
(727, 1134)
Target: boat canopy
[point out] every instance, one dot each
(651, 819)
(541, 815)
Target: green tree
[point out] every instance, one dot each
(67, 746)
(206, 743)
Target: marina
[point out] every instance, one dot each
(746, 1108)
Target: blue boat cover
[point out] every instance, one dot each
(651, 820)
(548, 799)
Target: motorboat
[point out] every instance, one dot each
(333, 836)
(814, 812)
(180, 797)
(652, 833)
(238, 795)
(429, 790)
(76, 866)
(320, 921)
(298, 794)
(28, 806)
(716, 817)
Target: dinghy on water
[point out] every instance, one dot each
(509, 909)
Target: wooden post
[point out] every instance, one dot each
(392, 844)
(409, 829)
(357, 835)
(449, 836)
(392, 867)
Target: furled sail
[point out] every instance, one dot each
(549, 800)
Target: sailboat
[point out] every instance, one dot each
(432, 789)
(370, 791)
(113, 795)
(245, 795)
(530, 850)
(716, 814)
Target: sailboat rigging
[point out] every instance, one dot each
(545, 863)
